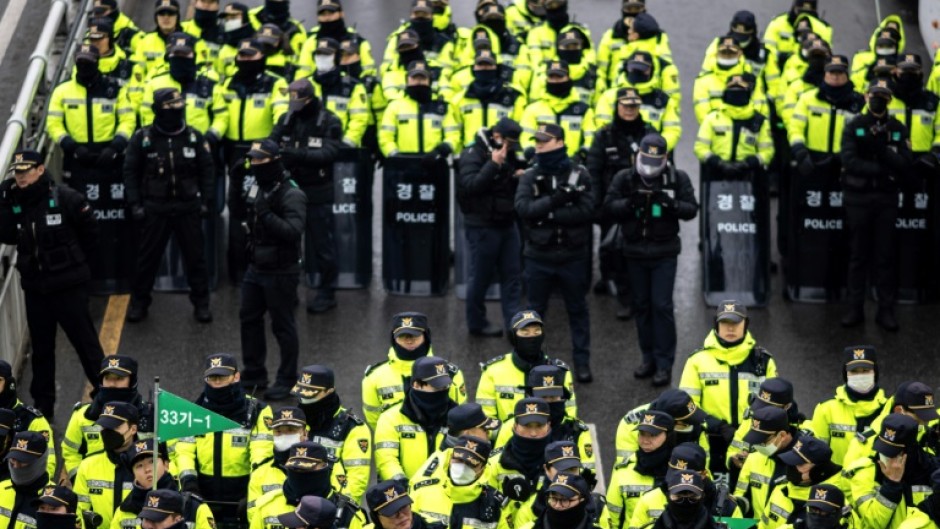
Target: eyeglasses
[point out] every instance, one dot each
(559, 501)
(685, 498)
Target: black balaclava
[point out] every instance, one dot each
(419, 92)
(560, 89)
(248, 70)
(432, 405)
(320, 413)
(278, 11)
(170, 121)
(268, 174)
(686, 513)
(530, 453)
(556, 411)
(421, 350)
(485, 83)
(655, 463)
(353, 69)
(527, 350)
(409, 56)
(313, 483)
(335, 29)
(567, 519)
(557, 18)
(183, 69)
(49, 520)
(86, 72)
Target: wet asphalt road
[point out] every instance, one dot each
(805, 339)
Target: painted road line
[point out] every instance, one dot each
(111, 328)
(9, 22)
(598, 464)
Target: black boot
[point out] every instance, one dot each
(886, 320)
(854, 316)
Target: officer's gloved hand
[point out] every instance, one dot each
(84, 155)
(189, 484)
(517, 489)
(68, 146)
(753, 163)
(213, 140)
(713, 162)
(734, 170)
(804, 163)
(138, 212)
(292, 155)
(528, 155)
(665, 200)
(720, 427)
(107, 158)
(563, 195)
(590, 477)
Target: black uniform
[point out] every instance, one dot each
(168, 178)
(310, 140)
(876, 157)
(55, 230)
(275, 225)
(485, 193)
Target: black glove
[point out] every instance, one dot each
(84, 155)
(118, 144)
(733, 170)
(713, 162)
(564, 195)
(107, 157)
(726, 431)
(189, 484)
(753, 163)
(443, 150)
(665, 200)
(590, 477)
(292, 155)
(528, 154)
(720, 427)
(213, 141)
(138, 212)
(517, 489)
(68, 146)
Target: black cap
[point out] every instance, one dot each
(897, 430)
(305, 455)
(27, 446)
(629, 96)
(645, 25)
(328, 5)
(313, 380)
(570, 37)
(481, 40)
(87, 52)
(549, 131)
(166, 96)
(414, 323)
(887, 37)
(161, 503)
(311, 512)
(326, 45)
(807, 449)
(101, 5)
(680, 406)
(653, 145)
(729, 43)
(508, 129)
(918, 398)
(23, 160)
(472, 449)
(817, 46)
(220, 364)
(57, 496)
(99, 28)
(860, 356)
(264, 149)
(656, 422)
(407, 39)
(6, 370)
(469, 415)
(773, 392)
(7, 420)
(731, 310)
(744, 81)
(562, 455)
(249, 47)
(485, 56)
(837, 63)
(180, 43)
(144, 449)
(531, 409)
(684, 481)
(826, 497)
(289, 416)
(632, 6)
(743, 24)
(569, 485)
(387, 497)
(492, 11)
(161, 6)
(526, 317)
(270, 34)
(557, 67)
(910, 62)
(640, 61)
(765, 422)
(121, 365)
(688, 456)
(432, 370)
(546, 381)
(422, 6)
(116, 413)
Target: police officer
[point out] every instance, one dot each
(54, 273)
(876, 157)
(808, 464)
(489, 174)
(462, 498)
(686, 506)
(150, 47)
(615, 43)
(205, 26)
(390, 508)
(709, 85)
(731, 356)
(55, 509)
(288, 427)
(488, 98)
(649, 200)
(7, 421)
(855, 404)
(28, 479)
(570, 504)
(927, 513)
(308, 474)
(555, 202)
(384, 382)
(277, 12)
(309, 137)
(166, 508)
(563, 106)
(743, 28)
(124, 28)
(886, 42)
(408, 49)
(116, 381)
(436, 43)
(645, 470)
(420, 109)
(894, 477)
(236, 28)
(656, 81)
(573, 47)
(112, 59)
(217, 465)
(560, 456)
(407, 433)
(523, 15)
(689, 423)
(777, 392)
(826, 509)
(541, 39)
(311, 513)
(466, 419)
(24, 417)
(780, 37)
(770, 435)
(346, 437)
(331, 23)
(276, 215)
(168, 181)
(104, 479)
(343, 94)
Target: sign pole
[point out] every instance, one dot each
(156, 428)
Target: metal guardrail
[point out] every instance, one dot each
(13, 329)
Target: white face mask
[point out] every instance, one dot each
(727, 62)
(232, 24)
(883, 52)
(282, 443)
(461, 473)
(766, 450)
(861, 383)
(324, 62)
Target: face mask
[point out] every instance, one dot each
(727, 62)
(183, 69)
(112, 440)
(556, 411)
(461, 473)
(278, 11)
(420, 93)
(268, 173)
(648, 167)
(86, 72)
(819, 521)
(835, 93)
(284, 442)
(408, 56)
(636, 77)
(884, 52)
(112, 394)
(877, 105)
(423, 26)
(30, 473)
(684, 512)
(316, 483)
(561, 89)
(353, 69)
(170, 120)
(320, 413)
(571, 56)
(736, 98)
(334, 28)
(766, 450)
(48, 520)
(529, 348)
(567, 518)
(221, 395)
(418, 352)
(498, 26)
(861, 383)
(554, 162)
(232, 24)
(324, 63)
(745, 43)
(205, 18)
(432, 404)
(908, 82)
(556, 18)
(486, 81)
(250, 69)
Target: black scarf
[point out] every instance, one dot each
(320, 413)
(229, 401)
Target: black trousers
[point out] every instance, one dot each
(870, 220)
(155, 231)
(652, 282)
(67, 309)
(320, 246)
(569, 277)
(275, 294)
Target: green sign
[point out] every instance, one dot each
(738, 523)
(178, 417)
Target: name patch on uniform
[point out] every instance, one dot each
(408, 435)
(315, 142)
(189, 152)
(54, 219)
(239, 440)
(711, 382)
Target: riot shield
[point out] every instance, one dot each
(462, 262)
(735, 238)
(415, 233)
(815, 267)
(916, 256)
(353, 171)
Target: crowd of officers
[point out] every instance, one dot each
(729, 442)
